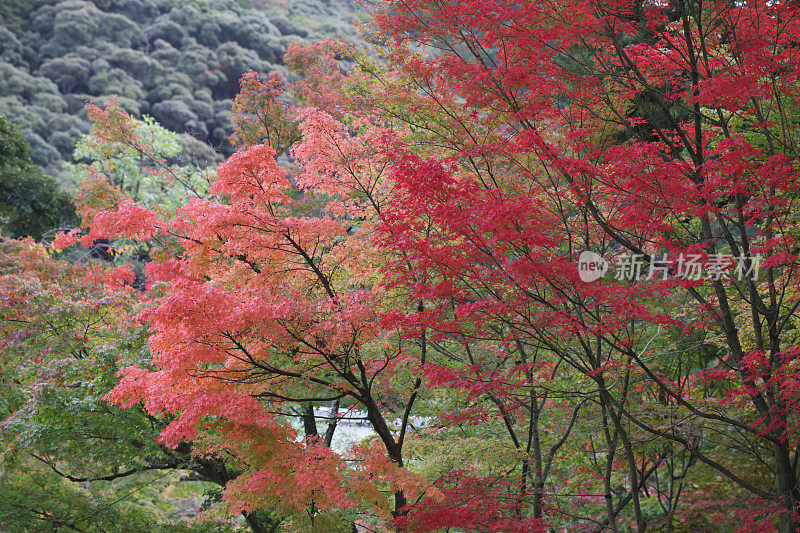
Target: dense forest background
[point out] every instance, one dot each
(177, 61)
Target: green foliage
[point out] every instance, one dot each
(34, 499)
(159, 177)
(31, 204)
(62, 340)
(779, 126)
(16, 14)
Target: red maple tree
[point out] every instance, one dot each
(425, 252)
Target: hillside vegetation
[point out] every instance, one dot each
(177, 60)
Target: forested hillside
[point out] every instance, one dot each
(178, 61)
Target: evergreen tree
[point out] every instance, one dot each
(31, 204)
